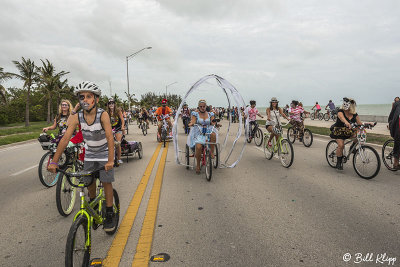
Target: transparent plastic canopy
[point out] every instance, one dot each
(233, 138)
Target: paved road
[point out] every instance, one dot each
(257, 214)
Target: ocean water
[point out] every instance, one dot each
(362, 109)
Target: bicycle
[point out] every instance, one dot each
(256, 134)
(49, 142)
(126, 127)
(363, 154)
(206, 159)
(330, 114)
(186, 121)
(143, 126)
(282, 147)
(316, 114)
(91, 215)
(66, 194)
(387, 154)
(293, 133)
(164, 130)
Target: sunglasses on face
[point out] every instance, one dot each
(348, 100)
(111, 103)
(64, 105)
(202, 106)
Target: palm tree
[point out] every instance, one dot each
(4, 76)
(49, 82)
(28, 74)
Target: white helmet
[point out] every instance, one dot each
(87, 87)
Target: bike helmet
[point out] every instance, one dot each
(111, 100)
(87, 87)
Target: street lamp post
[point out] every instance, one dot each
(127, 72)
(167, 87)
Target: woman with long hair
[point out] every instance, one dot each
(273, 118)
(60, 121)
(117, 124)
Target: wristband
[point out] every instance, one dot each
(55, 163)
(73, 112)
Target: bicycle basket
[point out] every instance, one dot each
(44, 140)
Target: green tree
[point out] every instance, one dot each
(4, 76)
(27, 74)
(50, 84)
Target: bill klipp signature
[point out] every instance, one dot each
(379, 258)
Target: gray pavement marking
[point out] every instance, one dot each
(25, 170)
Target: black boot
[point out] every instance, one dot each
(339, 163)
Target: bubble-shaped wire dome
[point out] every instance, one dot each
(228, 159)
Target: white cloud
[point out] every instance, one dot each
(310, 50)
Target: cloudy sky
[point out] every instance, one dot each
(298, 49)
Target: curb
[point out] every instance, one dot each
(19, 143)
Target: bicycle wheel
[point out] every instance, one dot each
(366, 162)
(208, 166)
(330, 153)
(320, 116)
(291, 136)
(312, 116)
(76, 251)
(116, 209)
(65, 194)
(258, 137)
(286, 153)
(140, 150)
(334, 117)
(326, 116)
(164, 136)
(307, 138)
(387, 154)
(268, 150)
(47, 178)
(216, 158)
(187, 155)
(144, 129)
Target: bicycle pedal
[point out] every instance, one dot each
(95, 226)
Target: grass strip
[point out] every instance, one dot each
(378, 139)
(14, 133)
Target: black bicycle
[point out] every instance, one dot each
(255, 133)
(387, 154)
(294, 133)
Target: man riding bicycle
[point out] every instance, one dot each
(331, 106)
(97, 134)
(163, 111)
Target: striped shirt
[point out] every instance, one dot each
(296, 113)
(94, 137)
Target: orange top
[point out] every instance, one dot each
(163, 111)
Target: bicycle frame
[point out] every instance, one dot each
(87, 210)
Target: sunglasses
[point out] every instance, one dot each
(202, 106)
(345, 99)
(82, 97)
(111, 103)
(64, 105)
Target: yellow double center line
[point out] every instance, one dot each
(146, 236)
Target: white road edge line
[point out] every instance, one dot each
(25, 170)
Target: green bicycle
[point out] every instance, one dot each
(282, 147)
(90, 215)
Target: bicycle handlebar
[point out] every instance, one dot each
(363, 126)
(87, 174)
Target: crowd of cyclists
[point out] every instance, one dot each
(99, 128)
